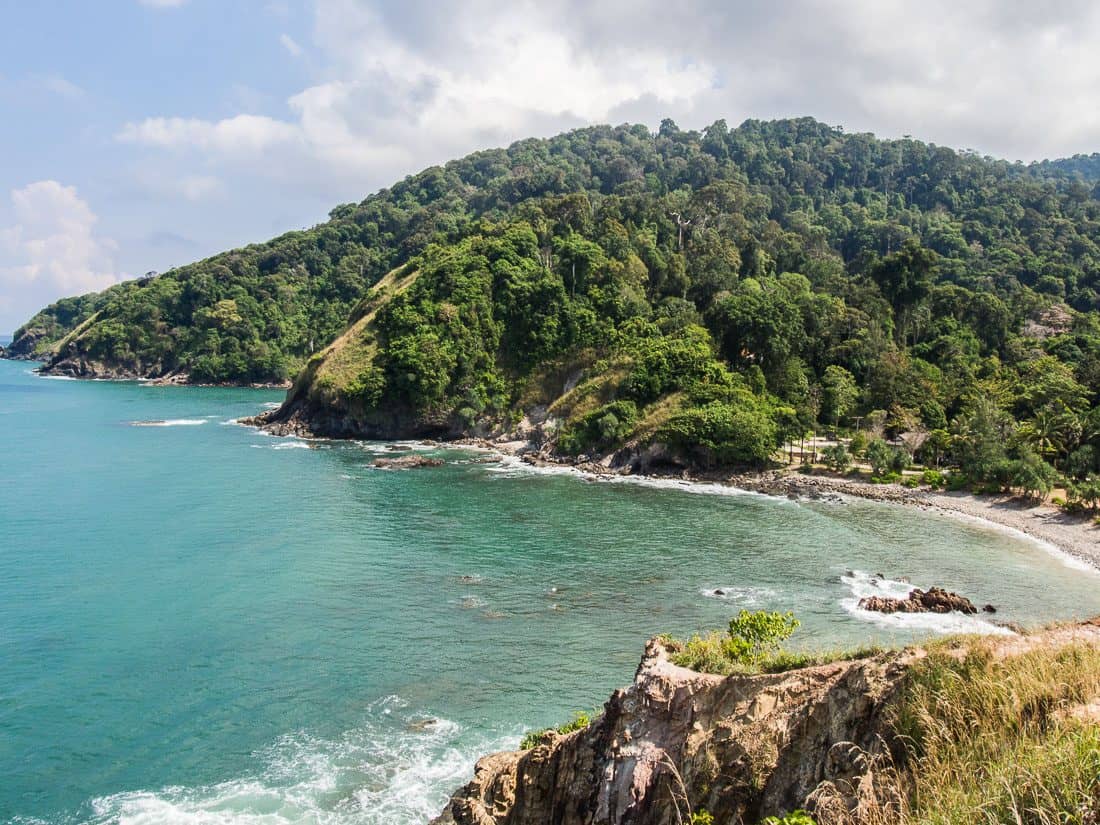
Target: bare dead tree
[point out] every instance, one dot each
(681, 224)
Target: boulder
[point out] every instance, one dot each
(934, 600)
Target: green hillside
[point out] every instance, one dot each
(713, 292)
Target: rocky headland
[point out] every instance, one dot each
(822, 738)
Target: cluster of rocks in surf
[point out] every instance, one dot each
(407, 462)
(933, 600)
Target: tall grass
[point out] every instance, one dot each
(1001, 739)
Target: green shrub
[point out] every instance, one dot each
(933, 478)
(858, 443)
(886, 478)
(753, 639)
(793, 818)
(912, 482)
(957, 482)
(603, 428)
(532, 739)
(836, 458)
(741, 432)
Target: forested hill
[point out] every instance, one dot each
(1083, 167)
(810, 198)
(710, 291)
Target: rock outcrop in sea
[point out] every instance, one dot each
(933, 600)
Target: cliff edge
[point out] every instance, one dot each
(822, 738)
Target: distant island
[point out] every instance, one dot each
(676, 299)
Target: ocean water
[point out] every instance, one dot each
(203, 624)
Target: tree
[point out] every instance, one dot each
(1032, 476)
(836, 458)
(905, 279)
(839, 392)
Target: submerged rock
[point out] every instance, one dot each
(407, 462)
(934, 600)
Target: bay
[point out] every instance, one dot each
(200, 622)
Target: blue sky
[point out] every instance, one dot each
(142, 134)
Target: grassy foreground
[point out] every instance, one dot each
(985, 731)
(992, 739)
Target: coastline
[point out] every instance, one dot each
(1075, 538)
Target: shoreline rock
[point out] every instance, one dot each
(933, 600)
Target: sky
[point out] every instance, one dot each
(138, 135)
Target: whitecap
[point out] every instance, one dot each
(862, 585)
(513, 466)
(399, 766)
(291, 445)
(171, 422)
(748, 596)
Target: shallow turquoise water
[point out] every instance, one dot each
(199, 622)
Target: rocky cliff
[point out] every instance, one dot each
(740, 747)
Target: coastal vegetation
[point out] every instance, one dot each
(720, 293)
(990, 738)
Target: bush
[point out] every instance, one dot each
(603, 428)
(957, 482)
(798, 817)
(836, 458)
(887, 478)
(752, 641)
(912, 482)
(742, 432)
(933, 478)
(858, 443)
(533, 739)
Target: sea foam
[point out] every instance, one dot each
(862, 585)
(513, 466)
(398, 766)
(171, 422)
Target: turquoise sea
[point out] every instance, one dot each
(203, 624)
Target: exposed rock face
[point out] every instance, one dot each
(934, 600)
(742, 747)
(25, 347)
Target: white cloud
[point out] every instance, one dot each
(391, 106)
(241, 133)
(60, 86)
(52, 249)
(291, 45)
(402, 86)
(162, 4)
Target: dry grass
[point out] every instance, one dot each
(345, 358)
(993, 739)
